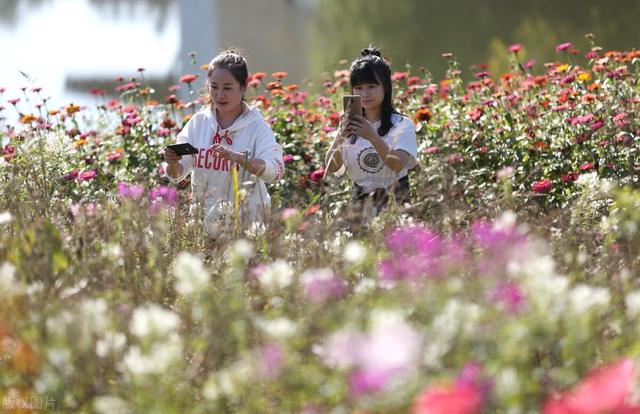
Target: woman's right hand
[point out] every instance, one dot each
(171, 157)
(343, 125)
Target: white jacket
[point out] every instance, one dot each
(212, 182)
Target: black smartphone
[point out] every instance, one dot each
(183, 149)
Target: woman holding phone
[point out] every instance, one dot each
(227, 134)
(377, 147)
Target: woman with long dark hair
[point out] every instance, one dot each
(381, 145)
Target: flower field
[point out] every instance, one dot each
(509, 285)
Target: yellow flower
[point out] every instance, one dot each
(562, 68)
(584, 76)
(79, 143)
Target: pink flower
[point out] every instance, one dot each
(270, 361)
(162, 194)
(597, 125)
(321, 285)
(461, 398)
(562, 47)
(515, 48)
(542, 186)
(87, 175)
(586, 166)
(14, 101)
(606, 389)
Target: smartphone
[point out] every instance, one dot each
(183, 149)
(352, 106)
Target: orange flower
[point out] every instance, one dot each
(273, 85)
(54, 112)
(277, 92)
(188, 78)
(594, 86)
(204, 66)
(27, 119)
(279, 75)
(423, 115)
(292, 87)
(258, 76)
(151, 102)
(186, 118)
(79, 143)
(72, 109)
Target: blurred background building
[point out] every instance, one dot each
(70, 46)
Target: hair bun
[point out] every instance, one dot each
(370, 51)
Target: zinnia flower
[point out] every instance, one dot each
(515, 48)
(188, 78)
(279, 75)
(606, 389)
(562, 47)
(542, 186)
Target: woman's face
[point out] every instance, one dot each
(372, 95)
(225, 91)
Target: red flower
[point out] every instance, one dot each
(463, 398)
(569, 177)
(188, 78)
(414, 80)
(97, 91)
(542, 186)
(605, 389)
(87, 175)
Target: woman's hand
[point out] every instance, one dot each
(171, 157)
(342, 127)
(228, 154)
(359, 125)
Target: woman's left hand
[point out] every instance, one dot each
(359, 125)
(226, 153)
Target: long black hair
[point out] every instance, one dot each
(370, 67)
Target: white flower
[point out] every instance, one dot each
(5, 218)
(507, 383)
(113, 342)
(158, 360)
(93, 315)
(70, 291)
(584, 298)
(108, 404)
(240, 250)
(632, 301)
(278, 328)
(355, 252)
(341, 349)
(152, 319)
(589, 180)
(277, 275)
(365, 286)
(8, 285)
(506, 221)
(191, 276)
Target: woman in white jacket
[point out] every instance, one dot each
(228, 133)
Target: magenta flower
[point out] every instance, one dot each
(509, 296)
(163, 195)
(366, 382)
(129, 191)
(542, 186)
(562, 47)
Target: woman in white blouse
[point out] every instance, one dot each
(383, 147)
